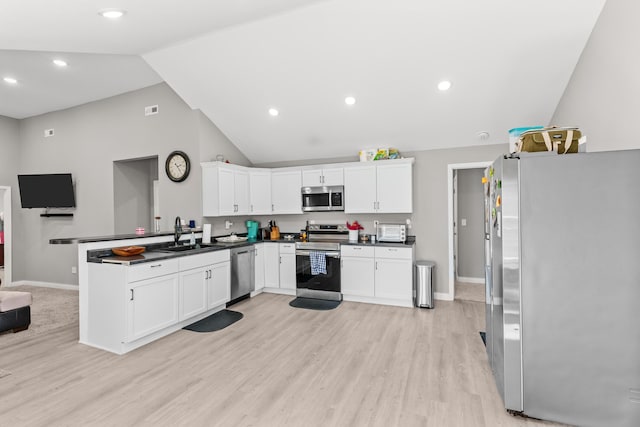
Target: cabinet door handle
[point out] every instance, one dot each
(272, 207)
(156, 265)
(251, 208)
(376, 265)
(131, 299)
(210, 274)
(280, 259)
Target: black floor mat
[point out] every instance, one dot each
(215, 322)
(483, 335)
(314, 304)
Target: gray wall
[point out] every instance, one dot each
(9, 152)
(471, 236)
(603, 95)
(9, 158)
(88, 139)
(133, 194)
(430, 204)
(430, 211)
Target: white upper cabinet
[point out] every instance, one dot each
(360, 189)
(225, 189)
(394, 188)
(320, 177)
(260, 192)
(385, 187)
(286, 197)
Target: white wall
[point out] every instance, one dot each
(9, 159)
(88, 139)
(602, 97)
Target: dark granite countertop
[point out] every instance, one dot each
(71, 240)
(157, 252)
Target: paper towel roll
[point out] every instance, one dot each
(206, 233)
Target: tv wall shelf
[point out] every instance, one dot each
(55, 214)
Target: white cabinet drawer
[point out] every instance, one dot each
(287, 248)
(152, 269)
(202, 260)
(357, 251)
(393, 253)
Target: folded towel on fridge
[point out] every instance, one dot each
(318, 262)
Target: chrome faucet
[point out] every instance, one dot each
(177, 230)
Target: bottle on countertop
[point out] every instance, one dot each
(192, 239)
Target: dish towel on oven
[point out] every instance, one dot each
(318, 262)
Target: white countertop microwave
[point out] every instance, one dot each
(391, 233)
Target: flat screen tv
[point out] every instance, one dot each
(47, 191)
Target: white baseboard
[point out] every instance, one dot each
(471, 279)
(442, 296)
(43, 285)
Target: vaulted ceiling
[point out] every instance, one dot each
(508, 63)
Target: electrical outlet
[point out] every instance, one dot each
(74, 270)
(375, 224)
(463, 222)
(408, 223)
(150, 110)
(227, 225)
(48, 133)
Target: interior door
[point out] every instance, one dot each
(455, 225)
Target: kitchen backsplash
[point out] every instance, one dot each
(295, 223)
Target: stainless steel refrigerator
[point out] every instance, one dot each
(563, 285)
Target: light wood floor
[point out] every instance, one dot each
(470, 291)
(358, 365)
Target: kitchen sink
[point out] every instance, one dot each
(181, 248)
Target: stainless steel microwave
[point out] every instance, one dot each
(325, 198)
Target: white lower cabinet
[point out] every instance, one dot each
(128, 306)
(193, 292)
(271, 265)
(219, 284)
(153, 305)
(259, 272)
(287, 266)
(357, 271)
(279, 267)
(377, 274)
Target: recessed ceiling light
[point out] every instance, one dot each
(10, 80)
(349, 100)
(111, 13)
(273, 112)
(60, 62)
(444, 85)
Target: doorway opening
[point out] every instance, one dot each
(5, 236)
(466, 249)
(135, 197)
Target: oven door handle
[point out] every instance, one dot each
(333, 254)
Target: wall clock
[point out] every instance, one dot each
(177, 166)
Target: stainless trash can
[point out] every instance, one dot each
(423, 284)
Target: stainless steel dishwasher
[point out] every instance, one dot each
(242, 271)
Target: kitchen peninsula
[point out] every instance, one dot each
(127, 302)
